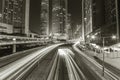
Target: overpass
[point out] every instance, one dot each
(8, 40)
(17, 40)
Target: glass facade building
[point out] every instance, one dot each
(13, 12)
(58, 16)
(44, 16)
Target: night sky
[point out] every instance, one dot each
(74, 8)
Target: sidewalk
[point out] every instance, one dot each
(111, 58)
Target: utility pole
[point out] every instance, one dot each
(47, 18)
(50, 16)
(66, 12)
(27, 17)
(83, 22)
(117, 19)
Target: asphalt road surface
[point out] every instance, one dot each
(56, 62)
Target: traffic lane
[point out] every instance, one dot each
(63, 73)
(43, 67)
(83, 65)
(13, 57)
(9, 71)
(88, 66)
(95, 66)
(74, 72)
(58, 70)
(52, 73)
(108, 66)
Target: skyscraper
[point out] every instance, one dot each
(109, 28)
(58, 16)
(44, 17)
(104, 15)
(5, 18)
(27, 12)
(13, 14)
(88, 16)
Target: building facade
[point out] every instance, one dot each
(5, 25)
(110, 27)
(58, 16)
(88, 25)
(104, 16)
(12, 14)
(44, 17)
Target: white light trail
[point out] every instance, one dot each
(109, 73)
(72, 67)
(11, 69)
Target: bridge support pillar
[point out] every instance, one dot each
(14, 48)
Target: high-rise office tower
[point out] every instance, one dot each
(44, 17)
(58, 16)
(105, 18)
(110, 27)
(13, 16)
(5, 18)
(118, 18)
(27, 12)
(88, 15)
(98, 14)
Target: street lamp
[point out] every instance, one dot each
(103, 42)
(93, 37)
(14, 45)
(0, 15)
(103, 45)
(85, 18)
(114, 37)
(14, 39)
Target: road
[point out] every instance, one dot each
(56, 62)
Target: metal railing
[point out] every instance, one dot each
(8, 40)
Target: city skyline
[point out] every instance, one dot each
(74, 9)
(59, 40)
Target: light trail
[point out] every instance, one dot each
(53, 69)
(107, 72)
(11, 70)
(74, 71)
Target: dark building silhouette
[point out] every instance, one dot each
(104, 18)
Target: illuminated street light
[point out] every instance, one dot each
(103, 45)
(61, 13)
(93, 37)
(0, 15)
(14, 45)
(85, 19)
(114, 37)
(88, 36)
(14, 39)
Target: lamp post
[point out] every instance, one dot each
(103, 45)
(14, 45)
(103, 41)
(117, 18)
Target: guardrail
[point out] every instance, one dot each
(8, 40)
(99, 67)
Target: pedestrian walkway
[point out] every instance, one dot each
(111, 58)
